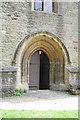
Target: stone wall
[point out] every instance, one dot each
(19, 21)
(8, 76)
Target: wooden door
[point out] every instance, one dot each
(34, 71)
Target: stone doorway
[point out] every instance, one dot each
(39, 71)
(58, 56)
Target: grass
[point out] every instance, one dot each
(38, 114)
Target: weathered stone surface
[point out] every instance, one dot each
(8, 81)
(18, 21)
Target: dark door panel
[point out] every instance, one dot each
(44, 71)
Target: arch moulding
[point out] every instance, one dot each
(53, 48)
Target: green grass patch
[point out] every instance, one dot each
(38, 114)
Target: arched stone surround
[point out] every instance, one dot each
(53, 48)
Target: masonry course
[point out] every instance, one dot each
(19, 21)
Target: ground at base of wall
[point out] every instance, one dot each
(41, 100)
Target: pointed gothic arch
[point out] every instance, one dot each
(53, 48)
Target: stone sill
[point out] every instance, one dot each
(43, 12)
(8, 69)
